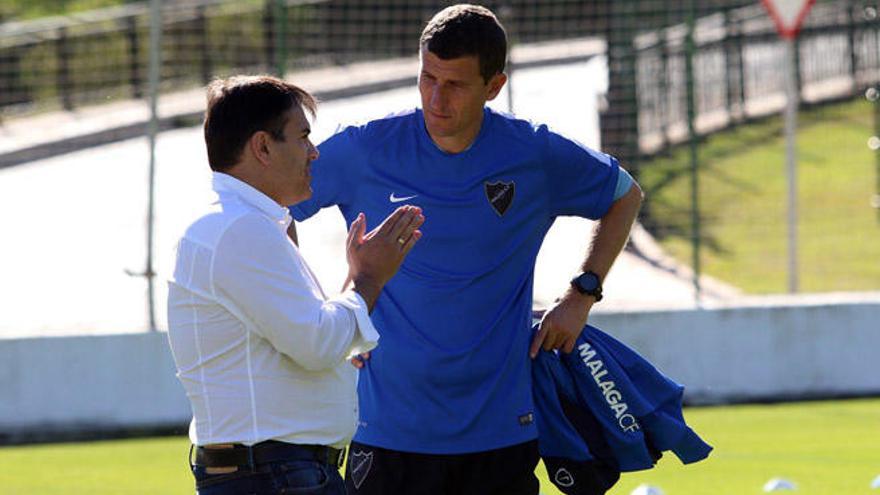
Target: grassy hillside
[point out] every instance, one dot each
(16, 10)
(743, 195)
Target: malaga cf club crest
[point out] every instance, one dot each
(360, 463)
(500, 195)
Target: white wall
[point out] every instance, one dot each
(759, 353)
(113, 381)
(746, 353)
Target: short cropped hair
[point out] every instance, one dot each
(466, 30)
(239, 106)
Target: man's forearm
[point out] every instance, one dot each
(368, 290)
(562, 324)
(612, 232)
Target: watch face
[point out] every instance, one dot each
(588, 281)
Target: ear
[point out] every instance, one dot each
(495, 84)
(259, 146)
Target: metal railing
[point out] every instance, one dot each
(737, 72)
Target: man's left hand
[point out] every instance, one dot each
(360, 360)
(562, 325)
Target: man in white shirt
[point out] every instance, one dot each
(259, 347)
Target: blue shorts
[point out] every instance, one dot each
(505, 471)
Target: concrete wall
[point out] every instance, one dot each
(733, 354)
(113, 382)
(760, 353)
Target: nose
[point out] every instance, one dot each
(438, 98)
(313, 152)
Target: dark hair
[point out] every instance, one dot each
(465, 30)
(239, 106)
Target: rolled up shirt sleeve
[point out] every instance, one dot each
(259, 275)
(366, 337)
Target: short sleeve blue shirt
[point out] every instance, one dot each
(451, 373)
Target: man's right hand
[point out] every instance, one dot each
(374, 257)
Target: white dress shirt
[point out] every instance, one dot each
(259, 348)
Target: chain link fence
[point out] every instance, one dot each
(695, 90)
(84, 58)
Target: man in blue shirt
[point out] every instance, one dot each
(446, 400)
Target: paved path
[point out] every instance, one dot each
(73, 224)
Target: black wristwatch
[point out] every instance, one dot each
(588, 283)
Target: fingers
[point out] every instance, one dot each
(407, 224)
(349, 241)
(356, 231)
(408, 237)
(552, 340)
(389, 223)
(361, 228)
(399, 228)
(558, 338)
(360, 360)
(413, 239)
(395, 226)
(538, 340)
(551, 337)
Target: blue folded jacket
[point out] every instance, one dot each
(602, 410)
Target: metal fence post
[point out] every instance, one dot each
(663, 83)
(619, 123)
(873, 95)
(275, 36)
(11, 88)
(204, 52)
(851, 43)
(506, 13)
(63, 80)
(134, 56)
(268, 38)
(280, 38)
(690, 51)
(874, 144)
(740, 47)
(793, 92)
(734, 61)
(152, 132)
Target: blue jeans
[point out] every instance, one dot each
(293, 477)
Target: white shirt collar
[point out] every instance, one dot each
(226, 183)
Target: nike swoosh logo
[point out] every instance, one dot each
(395, 199)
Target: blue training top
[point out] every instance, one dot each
(451, 373)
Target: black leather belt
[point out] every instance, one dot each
(265, 452)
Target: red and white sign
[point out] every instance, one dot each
(788, 15)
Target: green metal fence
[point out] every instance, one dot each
(693, 87)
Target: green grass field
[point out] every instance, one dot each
(743, 196)
(825, 447)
